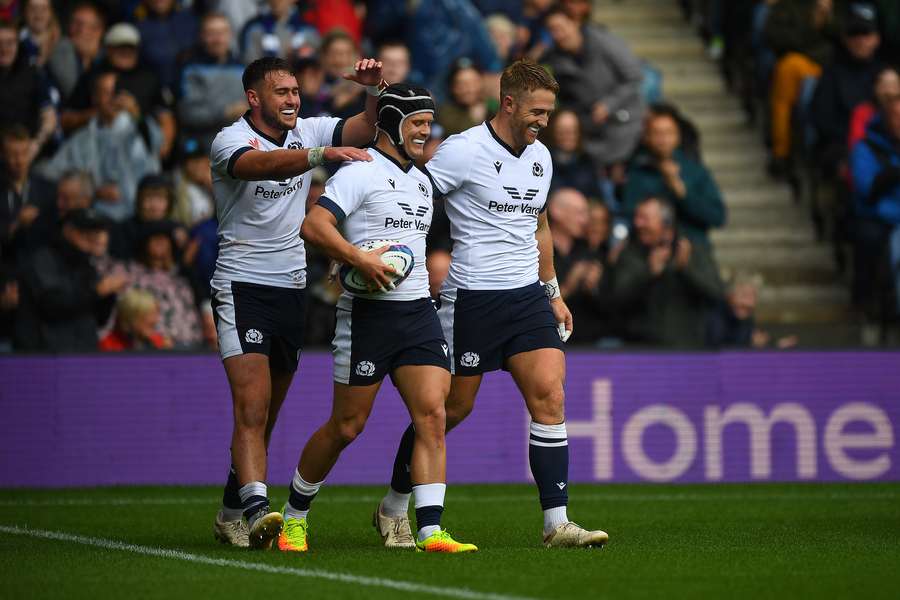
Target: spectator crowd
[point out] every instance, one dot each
(108, 108)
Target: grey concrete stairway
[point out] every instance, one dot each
(767, 233)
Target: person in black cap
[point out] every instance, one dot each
(846, 82)
(62, 297)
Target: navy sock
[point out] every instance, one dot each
(548, 455)
(231, 497)
(401, 481)
(428, 515)
(254, 498)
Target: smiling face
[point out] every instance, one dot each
(276, 100)
(529, 114)
(416, 130)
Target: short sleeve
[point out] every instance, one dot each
(226, 149)
(323, 131)
(449, 167)
(344, 191)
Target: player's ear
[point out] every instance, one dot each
(508, 104)
(252, 98)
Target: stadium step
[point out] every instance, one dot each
(767, 233)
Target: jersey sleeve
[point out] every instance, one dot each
(548, 177)
(325, 131)
(226, 149)
(344, 191)
(449, 167)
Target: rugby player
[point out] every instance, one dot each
(494, 310)
(260, 171)
(393, 331)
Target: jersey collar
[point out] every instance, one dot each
(502, 143)
(405, 169)
(260, 133)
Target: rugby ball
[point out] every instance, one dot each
(397, 255)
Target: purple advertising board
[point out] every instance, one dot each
(166, 419)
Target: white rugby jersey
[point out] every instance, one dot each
(493, 198)
(259, 221)
(380, 200)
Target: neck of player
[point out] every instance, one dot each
(385, 145)
(503, 129)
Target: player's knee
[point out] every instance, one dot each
(431, 421)
(251, 415)
(548, 405)
(345, 432)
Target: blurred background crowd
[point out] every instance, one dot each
(108, 108)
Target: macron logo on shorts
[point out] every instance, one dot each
(365, 368)
(253, 336)
(470, 359)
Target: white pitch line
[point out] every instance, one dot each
(378, 582)
(165, 501)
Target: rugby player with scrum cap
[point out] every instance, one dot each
(387, 327)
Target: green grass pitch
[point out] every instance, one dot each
(722, 541)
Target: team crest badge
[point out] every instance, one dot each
(253, 336)
(537, 170)
(470, 359)
(365, 368)
(423, 189)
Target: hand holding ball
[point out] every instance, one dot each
(393, 254)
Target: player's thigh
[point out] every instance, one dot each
(351, 407)
(248, 376)
(539, 375)
(424, 388)
(461, 399)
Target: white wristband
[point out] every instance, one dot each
(316, 157)
(551, 288)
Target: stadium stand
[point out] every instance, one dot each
(754, 120)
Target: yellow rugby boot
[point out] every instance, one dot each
(440, 541)
(293, 536)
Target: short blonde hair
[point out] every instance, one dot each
(132, 305)
(525, 75)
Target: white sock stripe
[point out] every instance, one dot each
(304, 487)
(336, 576)
(429, 494)
(548, 444)
(556, 432)
(254, 488)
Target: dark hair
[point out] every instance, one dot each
(525, 75)
(260, 68)
(95, 79)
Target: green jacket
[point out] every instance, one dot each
(670, 309)
(702, 207)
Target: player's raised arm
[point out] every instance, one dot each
(256, 165)
(359, 130)
(274, 99)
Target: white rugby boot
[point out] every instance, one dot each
(395, 532)
(234, 533)
(570, 535)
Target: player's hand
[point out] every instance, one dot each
(344, 153)
(563, 318)
(375, 270)
(127, 102)
(365, 72)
